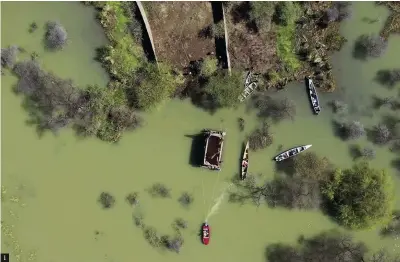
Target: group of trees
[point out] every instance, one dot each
(54, 103)
(358, 197)
(330, 246)
(147, 85)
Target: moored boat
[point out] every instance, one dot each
(291, 152)
(205, 234)
(245, 162)
(312, 92)
(214, 142)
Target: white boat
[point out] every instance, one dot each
(312, 92)
(291, 152)
(247, 91)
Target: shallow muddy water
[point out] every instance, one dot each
(59, 178)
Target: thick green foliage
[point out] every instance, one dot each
(360, 196)
(224, 89)
(261, 13)
(209, 66)
(159, 84)
(124, 56)
(288, 13)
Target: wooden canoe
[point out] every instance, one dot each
(245, 162)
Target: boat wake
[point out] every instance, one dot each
(217, 202)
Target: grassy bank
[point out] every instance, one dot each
(146, 85)
(289, 13)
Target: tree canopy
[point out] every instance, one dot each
(360, 197)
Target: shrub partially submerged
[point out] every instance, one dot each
(389, 77)
(9, 56)
(381, 134)
(370, 46)
(260, 138)
(186, 199)
(54, 103)
(160, 190)
(106, 200)
(351, 130)
(276, 109)
(56, 36)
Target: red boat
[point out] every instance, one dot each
(206, 234)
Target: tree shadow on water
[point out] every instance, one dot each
(196, 150)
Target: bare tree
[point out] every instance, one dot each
(368, 153)
(388, 78)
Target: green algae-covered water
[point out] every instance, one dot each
(56, 180)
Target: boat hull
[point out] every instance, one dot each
(205, 239)
(312, 93)
(291, 152)
(245, 162)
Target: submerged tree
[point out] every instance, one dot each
(393, 228)
(106, 200)
(152, 236)
(138, 220)
(186, 199)
(54, 103)
(388, 78)
(344, 10)
(56, 35)
(339, 107)
(330, 246)
(173, 243)
(370, 46)
(331, 15)
(395, 147)
(132, 199)
(368, 153)
(351, 130)
(9, 56)
(160, 190)
(276, 109)
(260, 138)
(180, 223)
(359, 197)
(381, 134)
(310, 166)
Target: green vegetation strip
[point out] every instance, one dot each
(288, 13)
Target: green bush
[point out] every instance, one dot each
(360, 197)
(209, 66)
(218, 29)
(261, 13)
(224, 89)
(157, 86)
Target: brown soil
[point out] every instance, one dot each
(176, 26)
(247, 47)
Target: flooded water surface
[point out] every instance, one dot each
(56, 180)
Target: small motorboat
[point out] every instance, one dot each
(312, 92)
(205, 233)
(291, 152)
(245, 162)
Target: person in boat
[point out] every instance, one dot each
(245, 163)
(205, 233)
